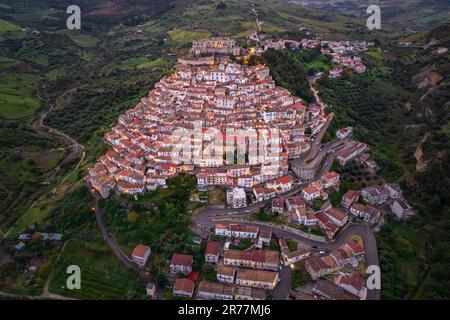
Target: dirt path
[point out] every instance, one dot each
(72, 144)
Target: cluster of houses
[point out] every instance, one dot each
(348, 284)
(343, 53)
(206, 98)
(297, 206)
(240, 274)
(44, 236)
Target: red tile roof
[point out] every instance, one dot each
(181, 259)
(213, 247)
(140, 250)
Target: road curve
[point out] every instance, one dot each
(206, 218)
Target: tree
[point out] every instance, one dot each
(132, 217)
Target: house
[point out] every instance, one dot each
(261, 279)
(20, 246)
(212, 251)
(310, 193)
(246, 293)
(236, 198)
(330, 180)
(290, 257)
(349, 198)
(346, 155)
(328, 290)
(352, 283)
(344, 132)
(256, 259)
(337, 216)
(140, 254)
(375, 195)
(265, 235)
(237, 231)
(320, 266)
(264, 193)
(282, 184)
(401, 209)
(325, 223)
(24, 236)
(183, 288)
(214, 291)
(370, 214)
(225, 273)
(394, 190)
(150, 289)
(278, 205)
(294, 203)
(181, 263)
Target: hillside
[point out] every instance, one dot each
(402, 14)
(89, 77)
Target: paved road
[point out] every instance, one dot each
(205, 218)
(284, 286)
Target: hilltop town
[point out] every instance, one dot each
(232, 127)
(215, 96)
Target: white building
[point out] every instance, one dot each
(236, 198)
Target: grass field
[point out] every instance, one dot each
(6, 26)
(102, 276)
(14, 107)
(185, 36)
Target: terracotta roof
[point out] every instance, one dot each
(181, 259)
(140, 250)
(185, 285)
(213, 247)
(256, 275)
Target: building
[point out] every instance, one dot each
(328, 290)
(236, 198)
(217, 45)
(256, 259)
(278, 205)
(150, 289)
(310, 193)
(348, 154)
(141, 254)
(212, 251)
(337, 216)
(265, 235)
(401, 209)
(349, 198)
(295, 203)
(320, 266)
(214, 291)
(261, 279)
(375, 195)
(330, 180)
(225, 273)
(395, 191)
(237, 231)
(344, 132)
(181, 263)
(246, 293)
(183, 288)
(352, 283)
(290, 257)
(370, 214)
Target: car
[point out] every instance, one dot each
(322, 252)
